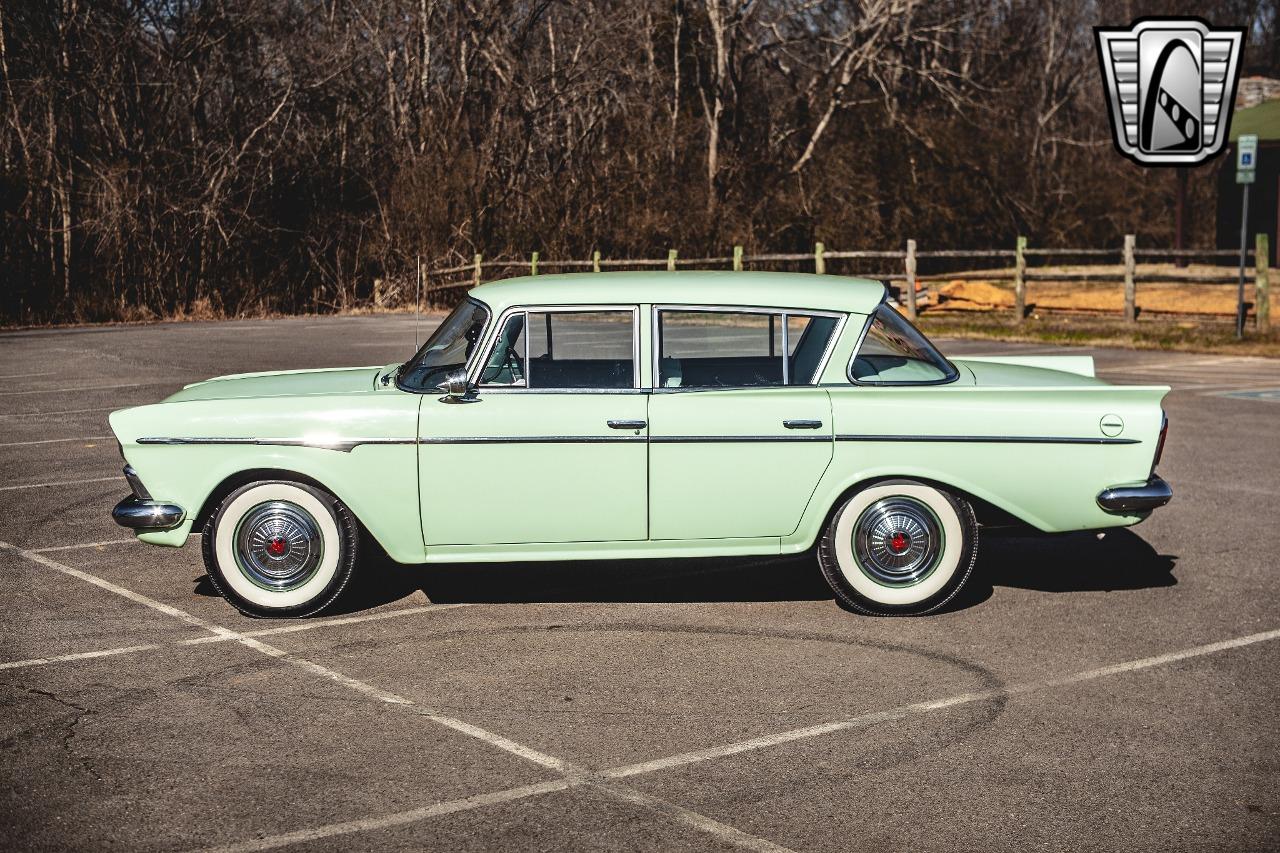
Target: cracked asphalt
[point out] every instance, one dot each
(1084, 693)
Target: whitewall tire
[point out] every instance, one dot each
(276, 548)
(899, 548)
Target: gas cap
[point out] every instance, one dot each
(1111, 425)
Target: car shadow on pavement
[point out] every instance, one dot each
(690, 580)
(1071, 562)
(1066, 562)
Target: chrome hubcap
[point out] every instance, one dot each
(278, 546)
(897, 541)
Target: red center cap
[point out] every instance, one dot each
(277, 546)
(898, 542)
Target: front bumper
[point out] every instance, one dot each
(135, 513)
(1128, 500)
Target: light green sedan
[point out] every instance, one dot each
(632, 415)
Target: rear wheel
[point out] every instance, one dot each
(899, 548)
(276, 548)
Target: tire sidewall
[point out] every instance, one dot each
(954, 565)
(336, 563)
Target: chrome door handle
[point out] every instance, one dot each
(802, 424)
(627, 424)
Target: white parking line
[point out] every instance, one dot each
(83, 545)
(85, 388)
(61, 412)
(698, 756)
(59, 483)
(56, 440)
(571, 773)
(27, 375)
(18, 664)
(308, 625)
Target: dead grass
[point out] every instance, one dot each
(1205, 335)
(1105, 296)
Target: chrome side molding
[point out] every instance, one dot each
(1124, 500)
(137, 514)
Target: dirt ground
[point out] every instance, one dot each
(1171, 297)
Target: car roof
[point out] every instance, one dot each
(707, 287)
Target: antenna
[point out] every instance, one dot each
(417, 302)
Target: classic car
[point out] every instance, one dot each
(641, 415)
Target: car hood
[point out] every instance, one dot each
(283, 383)
(1030, 371)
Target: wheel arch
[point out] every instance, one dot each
(987, 513)
(252, 475)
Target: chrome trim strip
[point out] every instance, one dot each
(1122, 500)
(143, 515)
(343, 445)
(609, 439)
(537, 439)
(991, 439)
(733, 439)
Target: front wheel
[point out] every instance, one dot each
(899, 548)
(276, 548)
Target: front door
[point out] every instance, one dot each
(554, 448)
(739, 436)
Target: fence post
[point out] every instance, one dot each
(1020, 280)
(671, 260)
(911, 278)
(819, 258)
(533, 264)
(737, 259)
(1130, 288)
(1261, 282)
(595, 261)
(475, 274)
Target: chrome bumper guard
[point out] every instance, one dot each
(1126, 500)
(137, 514)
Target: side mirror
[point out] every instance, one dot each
(456, 388)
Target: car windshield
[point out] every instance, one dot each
(448, 349)
(894, 352)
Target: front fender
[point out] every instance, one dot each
(378, 482)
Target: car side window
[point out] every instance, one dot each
(731, 349)
(894, 352)
(563, 350)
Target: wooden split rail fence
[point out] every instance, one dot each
(468, 275)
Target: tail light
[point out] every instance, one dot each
(1164, 430)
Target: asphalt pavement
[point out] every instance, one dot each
(1084, 693)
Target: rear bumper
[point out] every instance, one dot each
(136, 514)
(1127, 500)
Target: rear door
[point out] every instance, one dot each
(739, 436)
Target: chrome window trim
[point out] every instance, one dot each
(655, 332)
(871, 318)
(491, 339)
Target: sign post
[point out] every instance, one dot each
(1246, 171)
